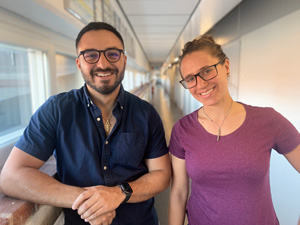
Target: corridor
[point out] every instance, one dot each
(38, 60)
(167, 110)
(169, 114)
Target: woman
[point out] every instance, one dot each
(224, 147)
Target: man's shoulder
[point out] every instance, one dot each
(72, 96)
(133, 99)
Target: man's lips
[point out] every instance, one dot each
(103, 74)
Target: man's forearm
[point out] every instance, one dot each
(149, 185)
(35, 186)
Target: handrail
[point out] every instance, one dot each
(16, 211)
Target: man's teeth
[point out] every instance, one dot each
(206, 93)
(103, 74)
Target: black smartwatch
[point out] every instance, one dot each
(127, 190)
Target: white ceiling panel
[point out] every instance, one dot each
(158, 29)
(158, 36)
(158, 7)
(158, 23)
(156, 20)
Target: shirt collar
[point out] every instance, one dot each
(87, 97)
(120, 99)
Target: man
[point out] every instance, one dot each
(109, 144)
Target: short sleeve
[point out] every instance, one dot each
(39, 137)
(175, 147)
(286, 136)
(156, 146)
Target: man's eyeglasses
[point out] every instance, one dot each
(92, 56)
(206, 74)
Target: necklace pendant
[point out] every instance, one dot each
(211, 120)
(107, 127)
(218, 137)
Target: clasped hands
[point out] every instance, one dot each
(97, 204)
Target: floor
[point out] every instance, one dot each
(169, 114)
(167, 109)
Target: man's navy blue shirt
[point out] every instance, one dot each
(70, 126)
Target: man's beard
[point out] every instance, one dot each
(106, 89)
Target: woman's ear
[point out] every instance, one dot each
(227, 67)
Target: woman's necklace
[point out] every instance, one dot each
(107, 125)
(219, 127)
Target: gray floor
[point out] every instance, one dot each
(169, 114)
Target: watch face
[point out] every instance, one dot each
(126, 188)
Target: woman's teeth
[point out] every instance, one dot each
(206, 93)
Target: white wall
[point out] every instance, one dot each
(232, 50)
(269, 76)
(269, 71)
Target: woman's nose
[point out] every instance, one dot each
(200, 82)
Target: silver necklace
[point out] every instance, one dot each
(219, 127)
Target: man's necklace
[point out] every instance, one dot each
(107, 125)
(219, 127)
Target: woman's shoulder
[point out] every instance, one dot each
(187, 120)
(257, 109)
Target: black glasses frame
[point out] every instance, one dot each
(198, 75)
(104, 53)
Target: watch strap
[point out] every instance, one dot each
(125, 187)
(126, 198)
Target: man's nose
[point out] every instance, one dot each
(102, 62)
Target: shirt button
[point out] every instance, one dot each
(105, 167)
(106, 142)
(98, 119)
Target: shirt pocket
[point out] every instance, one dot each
(131, 148)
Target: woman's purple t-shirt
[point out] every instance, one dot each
(230, 178)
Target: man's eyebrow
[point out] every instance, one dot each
(89, 49)
(93, 49)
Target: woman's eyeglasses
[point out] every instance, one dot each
(206, 74)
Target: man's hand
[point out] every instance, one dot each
(104, 219)
(97, 201)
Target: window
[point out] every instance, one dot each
(22, 89)
(67, 74)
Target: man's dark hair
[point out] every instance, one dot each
(98, 26)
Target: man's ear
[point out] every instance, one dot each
(78, 64)
(125, 61)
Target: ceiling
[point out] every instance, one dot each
(158, 23)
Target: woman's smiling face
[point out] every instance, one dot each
(207, 92)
